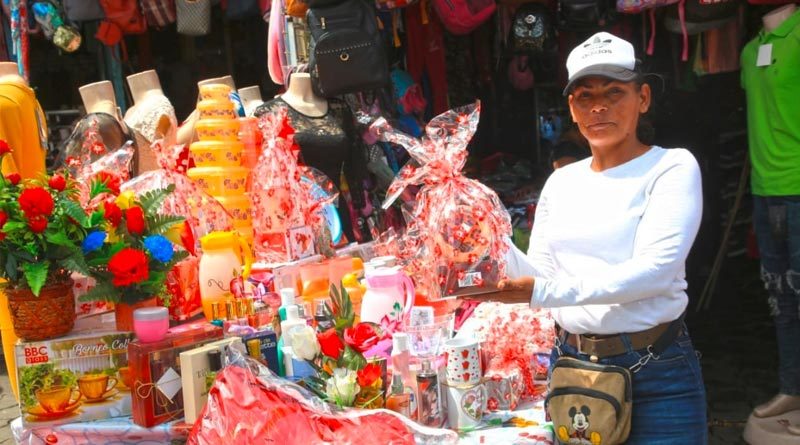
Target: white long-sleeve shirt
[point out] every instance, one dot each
(608, 249)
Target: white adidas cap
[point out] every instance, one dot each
(605, 55)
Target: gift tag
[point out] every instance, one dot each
(169, 384)
(764, 55)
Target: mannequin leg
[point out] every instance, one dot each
(777, 224)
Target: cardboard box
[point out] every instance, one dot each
(195, 376)
(157, 387)
(268, 341)
(80, 377)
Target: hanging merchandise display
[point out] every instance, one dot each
(193, 17)
(584, 15)
(121, 17)
(159, 13)
(346, 54)
(83, 10)
(463, 16)
(532, 30)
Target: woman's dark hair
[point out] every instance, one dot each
(645, 131)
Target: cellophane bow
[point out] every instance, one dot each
(455, 219)
(285, 194)
(92, 160)
(248, 404)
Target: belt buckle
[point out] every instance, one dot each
(592, 357)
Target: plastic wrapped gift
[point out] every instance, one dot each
(458, 220)
(504, 386)
(249, 404)
(287, 197)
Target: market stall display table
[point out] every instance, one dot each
(117, 431)
(524, 426)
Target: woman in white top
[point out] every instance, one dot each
(609, 247)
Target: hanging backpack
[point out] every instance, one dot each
(584, 15)
(241, 9)
(83, 10)
(391, 5)
(346, 54)
(691, 17)
(638, 6)
(531, 30)
(461, 17)
(159, 13)
(123, 14)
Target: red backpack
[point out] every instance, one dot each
(125, 15)
(463, 16)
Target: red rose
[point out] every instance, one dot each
(129, 266)
(112, 213)
(3, 221)
(36, 201)
(361, 337)
(367, 375)
(57, 182)
(330, 344)
(111, 180)
(4, 148)
(13, 178)
(37, 224)
(134, 217)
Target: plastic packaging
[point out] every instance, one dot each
(456, 220)
(248, 404)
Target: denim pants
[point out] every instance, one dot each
(669, 399)
(777, 224)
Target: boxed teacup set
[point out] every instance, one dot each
(75, 378)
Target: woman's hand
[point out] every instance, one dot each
(514, 291)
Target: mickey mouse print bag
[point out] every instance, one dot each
(589, 403)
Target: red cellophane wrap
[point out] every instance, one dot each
(511, 335)
(248, 405)
(203, 214)
(456, 220)
(285, 194)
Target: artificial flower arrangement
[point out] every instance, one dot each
(134, 251)
(344, 376)
(41, 229)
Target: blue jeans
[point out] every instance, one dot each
(777, 224)
(669, 399)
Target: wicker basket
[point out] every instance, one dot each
(50, 315)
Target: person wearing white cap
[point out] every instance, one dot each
(609, 245)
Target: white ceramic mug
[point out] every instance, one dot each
(465, 407)
(463, 361)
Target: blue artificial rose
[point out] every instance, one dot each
(159, 247)
(93, 241)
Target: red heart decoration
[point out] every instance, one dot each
(465, 365)
(464, 353)
(466, 376)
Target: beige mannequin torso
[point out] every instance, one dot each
(9, 72)
(774, 18)
(99, 97)
(155, 121)
(301, 97)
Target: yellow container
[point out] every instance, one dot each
(215, 91)
(216, 109)
(217, 153)
(239, 208)
(220, 181)
(225, 255)
(9, 340)
(217, 129)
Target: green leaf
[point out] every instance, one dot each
(98, 187)
(96, 218)
(11, 267)
(75, 211)
(12, 226)
(160, 224)
(103, 291)
(76, 263)
(152, 200)
(36, 275)
(60, 239)
(352, 359)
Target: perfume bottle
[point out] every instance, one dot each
(214, 366)
(401, 366)
(399, 400)
(429, 406)
(254, 350)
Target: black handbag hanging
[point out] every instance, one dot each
(347, 53)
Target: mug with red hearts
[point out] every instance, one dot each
(463, 361)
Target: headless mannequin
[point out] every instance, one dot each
(99, 97)
(782, 403)
(145, 87)
(774, 18)
(186, 133)
(325, 131)
(251, 97)
(301, 97)
(9, 72)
